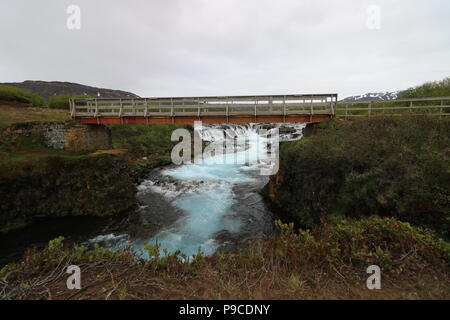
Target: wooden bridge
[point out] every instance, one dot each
(237, 109)
(246, 109)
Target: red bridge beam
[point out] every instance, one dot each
(206, 119)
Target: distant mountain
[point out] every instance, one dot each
(47, 89)
(378, 96)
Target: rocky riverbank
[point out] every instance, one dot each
(382, 166)
(66, 186)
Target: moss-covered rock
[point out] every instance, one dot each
(66, 186)
(390, 167)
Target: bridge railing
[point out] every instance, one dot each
(437, 106)
(314, 104)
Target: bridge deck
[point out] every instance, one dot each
(237, 109)
(247, 109)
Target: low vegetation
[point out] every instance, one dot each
(20, 153)
(328, 262)
(395, 167)
(13, 113)
(429, 89)
(9, 93)
(61, 101)
(26, 97)
(149, 146)
(144, 139)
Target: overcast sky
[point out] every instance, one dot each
(228, 47)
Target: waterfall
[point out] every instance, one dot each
(288, 131)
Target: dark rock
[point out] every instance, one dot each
(88, 186)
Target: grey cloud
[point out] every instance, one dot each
(202, 47)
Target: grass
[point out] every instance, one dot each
(144, 139)
(26, 151)
(429, 89)
(62, 101)
(149, 146)
(13, 94)
(328, 262)
(12, 113)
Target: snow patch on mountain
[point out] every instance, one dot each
(375, 96)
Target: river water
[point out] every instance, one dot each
(210, 206)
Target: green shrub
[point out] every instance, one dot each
(144, 139)
(391, 167)
(9, 93)
(429, 89)
(62, 101)
(391, 244)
